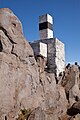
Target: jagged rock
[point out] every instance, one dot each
(41, 62)
(20, 81)
(18, 69)
(70, 82)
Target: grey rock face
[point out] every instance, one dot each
(21, 83)
(18, 69)
(71, 83)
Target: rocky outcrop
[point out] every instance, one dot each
(18, 69)
(25, 82)
(70, 82)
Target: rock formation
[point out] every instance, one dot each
(25, 82)
(19, 75)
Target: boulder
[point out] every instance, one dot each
(70, 82)
(22, 85)
(18, 69)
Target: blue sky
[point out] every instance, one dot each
(66, 26)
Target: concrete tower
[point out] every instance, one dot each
(49, 47)
(45, 26)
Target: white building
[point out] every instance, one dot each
(49, 47)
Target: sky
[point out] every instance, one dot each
(66, 27)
